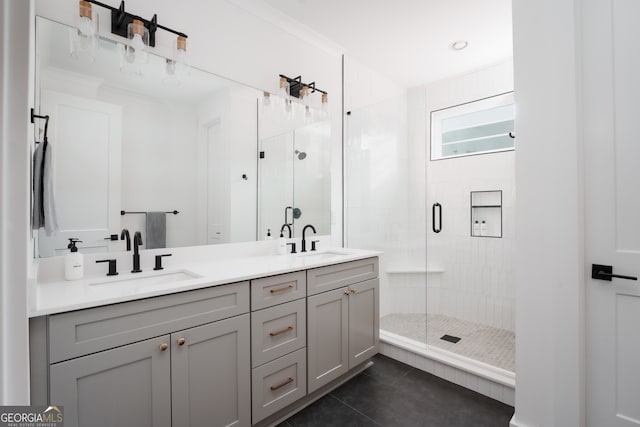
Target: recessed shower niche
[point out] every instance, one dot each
(486, 213)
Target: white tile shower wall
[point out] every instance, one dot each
(376, 155)
(477, 282)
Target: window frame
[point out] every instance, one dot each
(437, 116)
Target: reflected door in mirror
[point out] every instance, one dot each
(86, 138)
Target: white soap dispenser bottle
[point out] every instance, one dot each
(73, 261)
(483, 228)
(282, 244)
(476, 228)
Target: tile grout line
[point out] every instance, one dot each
(355, 410)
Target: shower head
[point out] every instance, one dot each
(301, 154)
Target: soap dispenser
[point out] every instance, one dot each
(73, 261)
(476, 228)
(282, 244)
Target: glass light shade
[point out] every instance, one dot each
(305, 95)
(176, 69)
(325, 103)
(134, 55)
(83, 37)
(266, 99)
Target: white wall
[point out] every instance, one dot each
(157, 136)
(549, 260)
(243, 159)
(478, 279)
(16, 77)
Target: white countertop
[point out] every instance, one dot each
(50, 297)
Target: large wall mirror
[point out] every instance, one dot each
(294, 169)
(132, 142)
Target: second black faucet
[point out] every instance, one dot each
(137, 241)
(304, 238)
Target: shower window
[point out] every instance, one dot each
(477, 127)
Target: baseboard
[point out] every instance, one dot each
(516, 423)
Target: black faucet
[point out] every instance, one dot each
(125, 235)
(304, 241)
(289, 227)
(137, 241)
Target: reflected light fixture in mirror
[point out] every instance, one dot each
(135, 54)
(176, 68)
(266, 99)
(306, 100)
(83, 37)
(284, 94)
(325, 103)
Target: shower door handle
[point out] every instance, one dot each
(433, 217)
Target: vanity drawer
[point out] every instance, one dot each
(273, 290)
(82, 332)
(278, 384)
(335, 276)
(277, 331)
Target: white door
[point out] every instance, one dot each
(86, 137)
(611, 92)
(217, 197)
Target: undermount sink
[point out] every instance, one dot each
(323, 254)
(155, 279)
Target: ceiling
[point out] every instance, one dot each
(410, 41)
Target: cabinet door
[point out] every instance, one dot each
(125, 386)
(327, 337)
(211, 374)
(363, 322)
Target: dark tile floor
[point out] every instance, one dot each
(393, 394)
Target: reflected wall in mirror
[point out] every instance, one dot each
(294, 169)
(144, 143)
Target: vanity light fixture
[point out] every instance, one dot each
(141, 32)
(295, 88)
(83, 37)
(459, 45)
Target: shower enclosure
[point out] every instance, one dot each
(444, 217)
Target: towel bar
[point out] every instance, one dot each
(130, 212)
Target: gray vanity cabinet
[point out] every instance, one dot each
(174, 360)
(211, 374)
(364, 339)
(327, 337)
(232, 355)
(128, 385)
(342, 326)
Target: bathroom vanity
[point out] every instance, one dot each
(242, 341)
